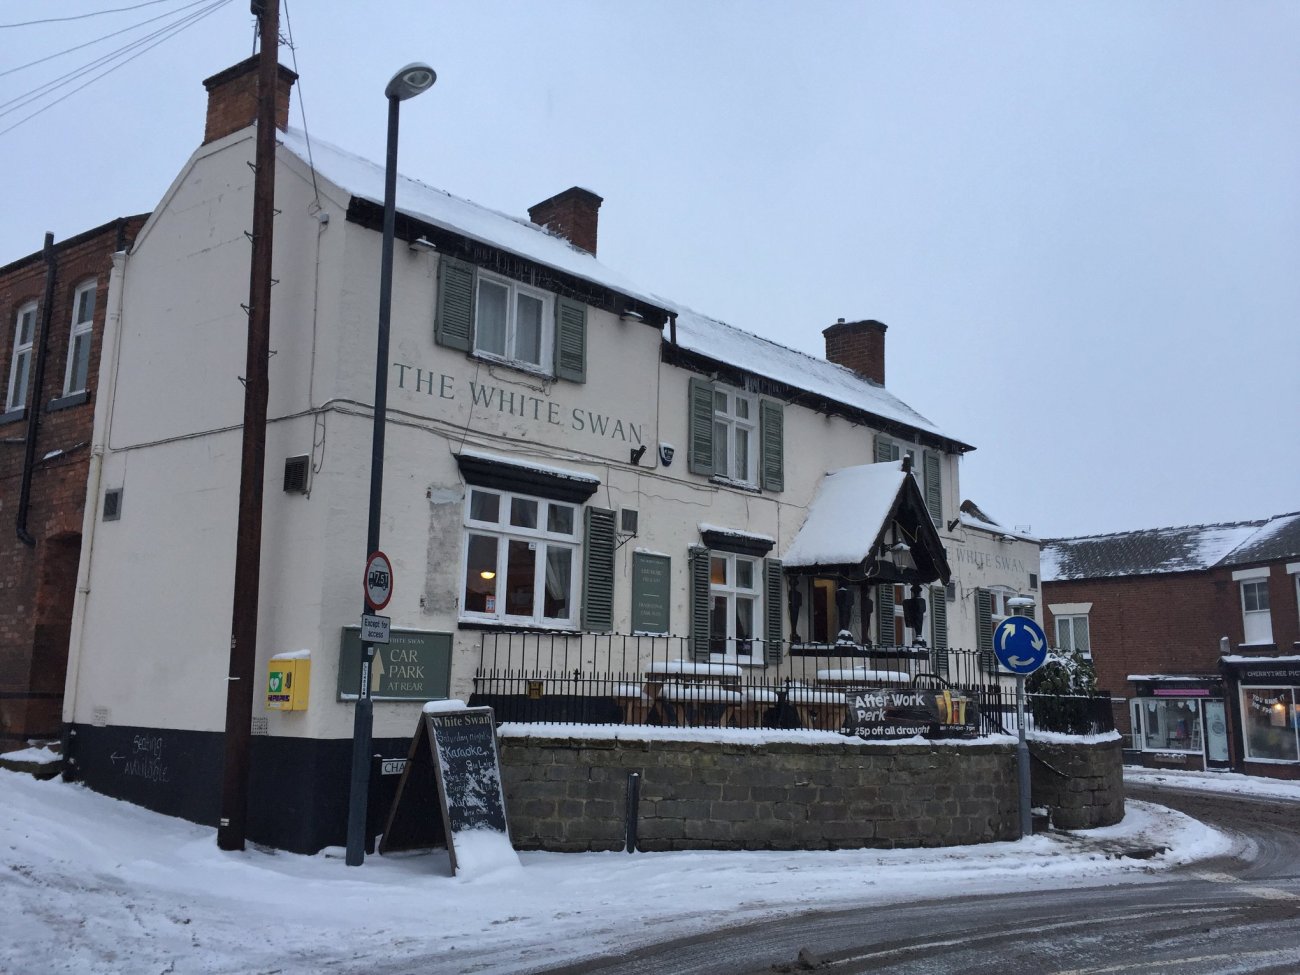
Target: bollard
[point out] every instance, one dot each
(633, 808)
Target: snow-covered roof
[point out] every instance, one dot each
(858, 497)
(697, 333)
(1159, 551)
(362, 178)
(972, 515)
(730, 345)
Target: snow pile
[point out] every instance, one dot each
(854, 496)
(107, 887)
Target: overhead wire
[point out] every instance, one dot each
(101, 39)
(162, 35)
(93, 13)
(68, 77)
(302, 103)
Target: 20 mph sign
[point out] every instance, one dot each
(379, 581)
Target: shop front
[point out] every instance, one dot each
(1265, 695)
(1179, 722)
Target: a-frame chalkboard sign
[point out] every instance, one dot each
(451, 784)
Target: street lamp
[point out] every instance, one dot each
(407, 83)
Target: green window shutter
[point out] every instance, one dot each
(698, 566)
(885, 615)
(939, 629)
(570, 340)
(453, 325)
(598, 571)
(886, 450)
(984, 630)
(699, 456)
(774, 590)
(934, 487)
(771, 415)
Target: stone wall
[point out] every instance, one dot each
(1081, 785)
(569, 794)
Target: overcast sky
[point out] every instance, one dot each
(1081, 222)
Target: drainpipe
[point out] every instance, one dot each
(106, 394)
(672, 327)
(38, 383)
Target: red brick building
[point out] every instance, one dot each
(52, 308)
(1198, 628)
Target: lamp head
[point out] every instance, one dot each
(410, 81)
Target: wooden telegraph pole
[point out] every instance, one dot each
(248, 546)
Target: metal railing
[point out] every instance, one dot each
(593, 678)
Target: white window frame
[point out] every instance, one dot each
(514, 290)
(81, 330)
(1255, 623)
(1293, 570)
(728, 421)
(540, 541)
(21, 362)
(737, 650)
(1067, 646)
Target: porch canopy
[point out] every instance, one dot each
(869, 524)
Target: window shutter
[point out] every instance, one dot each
(771, 415)
(570, 340)
(700, 455)
(885, 615)
(698, 566)
(772, 610)
(454, 323)
(984, 630)
(939, 629)
(934, 487)
(598, 571)
(886, 450)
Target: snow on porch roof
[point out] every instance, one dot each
(698, 333)
(854, 496)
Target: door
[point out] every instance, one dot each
(1216, 734)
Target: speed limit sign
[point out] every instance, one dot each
(379, 581)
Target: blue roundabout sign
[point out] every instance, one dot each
(1020, 644)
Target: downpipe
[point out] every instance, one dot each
(34, 394)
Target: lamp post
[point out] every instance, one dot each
(407, 83)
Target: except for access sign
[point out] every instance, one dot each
(1020, 644)
(374, 629)
(378, 581)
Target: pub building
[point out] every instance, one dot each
(573, 464)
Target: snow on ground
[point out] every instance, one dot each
(1230, 782)
(94, 885)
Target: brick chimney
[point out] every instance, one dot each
(572, 214)
(232, 99)
(860, 346)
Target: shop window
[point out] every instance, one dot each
(20, 365)
(1072, 635)
(1167, 725)
(736, 436)
(521, 559)
(1257, 622)
(83, 315)
(1268, 716)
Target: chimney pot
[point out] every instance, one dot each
(859, 346)
(232, 98)
(573, 214)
